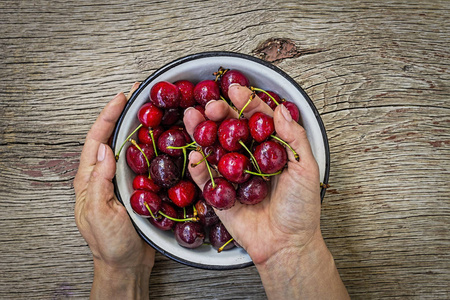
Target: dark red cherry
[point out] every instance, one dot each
(232, 166)
(164, 172)
(144, 136)
(264, 97)
(165, 95)
(206, 213)
(171, 116)
(183, 193)
(162, 222)
(189, 234)
(136, 160)
(218, 236)
(174, 138)
(231, 131)
(215, 151)
(186, 212)
(206, 91)
(270, 156)
(252, 191)
(184, 131)
(139, 197)
(205, 133)
(230, 77)
(261, 126)
(164, 197)
(223, 196)
(142, 182)
(186, 89)
(150, 115)
(293, 109)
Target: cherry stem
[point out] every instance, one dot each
(194, 219)
(254, 162)
(182, 147)
(200, 161)
(195, 210)
(297, 158)
(153, 141)
(184, 212)
(209, 170)
(252, 96)
(145, 156)
(184, 162)
(265, 92)
(149, 210)
(126, 140)
(224, 245)
(263, 174)
(324, 185)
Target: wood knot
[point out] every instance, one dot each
(276, 49)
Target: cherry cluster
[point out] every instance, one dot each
(244, 153)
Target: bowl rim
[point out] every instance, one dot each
(201, 55)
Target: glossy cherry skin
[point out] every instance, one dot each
(233, 165)
(171, 116)
(183, 193)
(219, 235)
(293, 109)
(165, 95)
(261, 126)
(150, 115)
(206, 213)
(206, 91)
(264, 97)
(164, 172)
(164, 223)
(142, 182)
(231, 131)
(217, 151)
(189, 234)
(139, 197)
(136, 160)
(252, 191)
(270, 156)
(183, 130)
(144, 136)
(174, 138)
(223, 196)
(205, 133)
(230, 77)
(186, 89)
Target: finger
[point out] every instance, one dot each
(293, 134)
(240, 95)
(133, 89)
(219, 110)
(191, 119)
(199, 173)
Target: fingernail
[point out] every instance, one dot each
(286, 114)
(190, 155)
(101, 152)
(234, 84)
(189, 108)
(209, 103)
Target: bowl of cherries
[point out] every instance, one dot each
(152, 147)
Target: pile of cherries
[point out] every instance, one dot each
(245, 153)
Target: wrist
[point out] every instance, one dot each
(120, 282)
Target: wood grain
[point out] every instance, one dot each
(380, 82)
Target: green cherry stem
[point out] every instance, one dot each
(126, 140)
(153, 141)
(184, 162)
(252, 96)
(297, 158)
(254, 162)
(209, 169)
(263, 174)
(195, 210)
(184, 212)
(193, 219)
(149, 210)
(145, 156)
(265, 92)
(224, 245)
(200, 161)
(182, 147)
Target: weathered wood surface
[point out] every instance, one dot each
(377, 72)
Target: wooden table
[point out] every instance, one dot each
(377, 72)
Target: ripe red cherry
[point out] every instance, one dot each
(223, 196)
(215, 151)
(206, 213)
(189, 234)
(293, 109)
(174, 138)
(136, 160)
(171, 116)
(218, 236)
(252, 191)
(206, 91)
(183, 130)
(186, 89)
(139, 197)
(162, 222)
(183, 193)
(144, 136)
(231, 131)
(205, 133)
(232, 76)
(150, 115)
(232, 166)
(270, 156)
(264, 97)
(261, 126)
(164, 172)
(142, 182)
(165, 95)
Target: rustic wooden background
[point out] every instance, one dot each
(377, 72)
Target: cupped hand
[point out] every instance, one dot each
(289, 217)
(101, 219)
